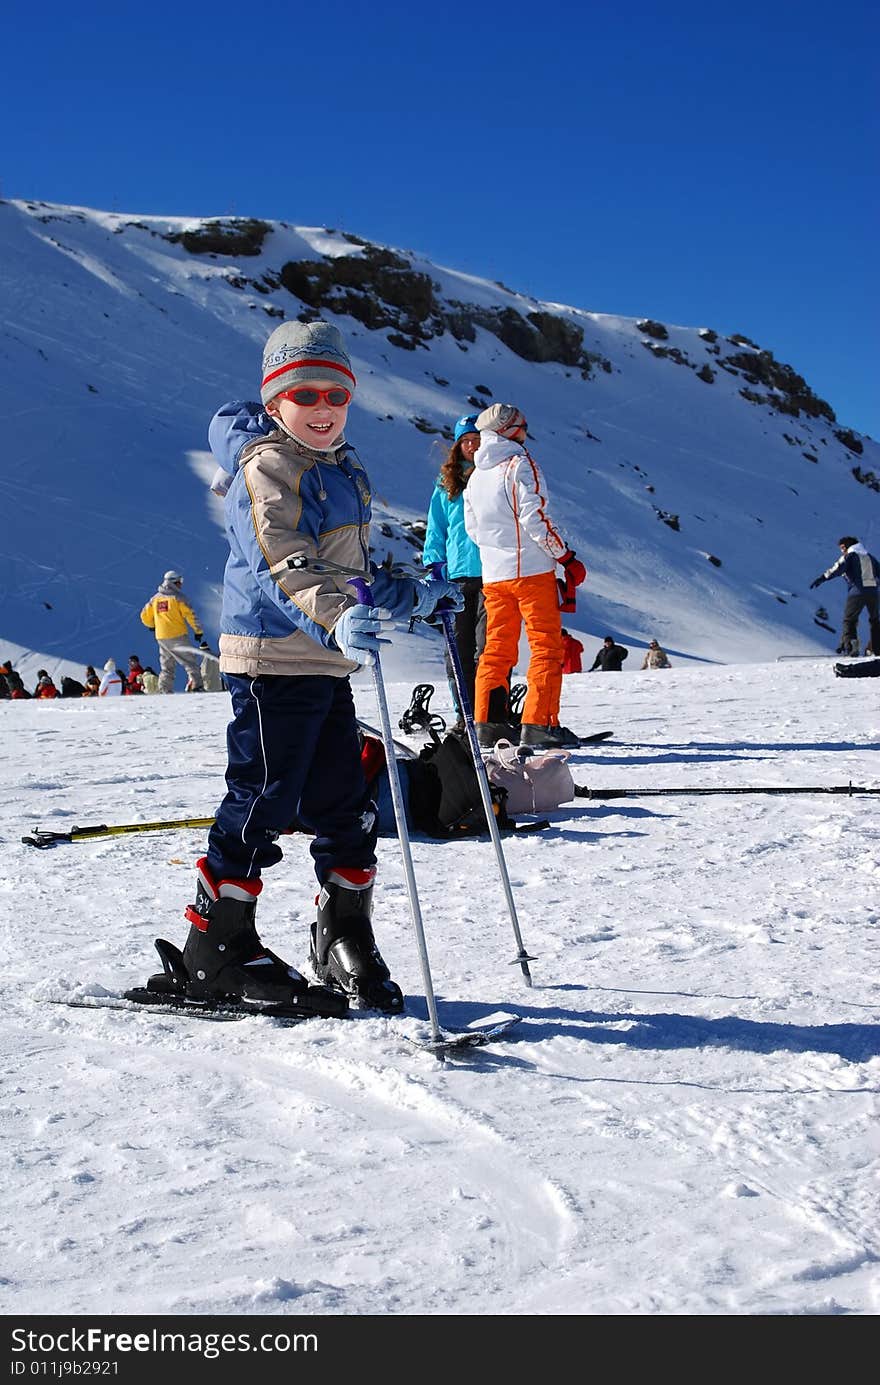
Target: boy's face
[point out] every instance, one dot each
(317, 425)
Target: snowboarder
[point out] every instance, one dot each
(291, 636)
(447, 541)
(610, 657)
(655, 657)
(506, 515)
(169, 613)
(861, 572)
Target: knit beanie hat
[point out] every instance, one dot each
(110, 666)
(465, 425)
(503, 419)
(298, 352)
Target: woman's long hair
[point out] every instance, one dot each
(452, 472)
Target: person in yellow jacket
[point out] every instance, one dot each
(168, 613)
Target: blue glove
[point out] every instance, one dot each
(431, 591)
(356, 632)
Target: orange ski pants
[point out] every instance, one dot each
(533, 601)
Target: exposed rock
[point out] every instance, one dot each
(234, 237)
(653, 329)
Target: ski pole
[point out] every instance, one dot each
(43, 838)
(581, 791)
(448, 620)
(365, 597)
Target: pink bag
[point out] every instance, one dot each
(535, 780)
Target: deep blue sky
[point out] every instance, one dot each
(702, 164)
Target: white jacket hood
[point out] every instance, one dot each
(493, 450)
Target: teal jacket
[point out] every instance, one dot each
(446, 540)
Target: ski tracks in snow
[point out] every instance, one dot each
(300, 1132)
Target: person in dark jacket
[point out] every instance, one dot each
(5, 684)
(610, 657)
(861, 572)
(17, 688)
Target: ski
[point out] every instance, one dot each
(155, 1007)
(595, 738)
(43, 838)
(141, 1001)
(456, 1041)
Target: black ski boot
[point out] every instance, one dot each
(343, 951)
(540, 737)
(564, 737)
(489, 733)
(224, 962)
(498, 725)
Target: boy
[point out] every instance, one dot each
(505, 513)
(291, 636)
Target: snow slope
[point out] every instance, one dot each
(685, 1122)
(117, 344)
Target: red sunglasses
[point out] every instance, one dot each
(307, 397)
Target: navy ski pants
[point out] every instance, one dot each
(294, 758)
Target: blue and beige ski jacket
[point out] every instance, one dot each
(287, 502)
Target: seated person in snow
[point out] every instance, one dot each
(655, 657)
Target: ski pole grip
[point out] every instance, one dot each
(361, 590)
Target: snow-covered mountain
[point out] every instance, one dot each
(701, 480)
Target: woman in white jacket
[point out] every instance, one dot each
(505, 513)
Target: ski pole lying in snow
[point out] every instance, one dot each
(581, 791)
(448, 621)
(43, 838)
